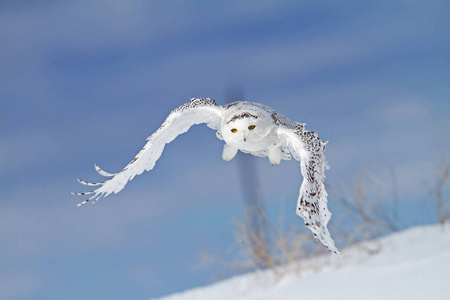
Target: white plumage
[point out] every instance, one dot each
(251, 128)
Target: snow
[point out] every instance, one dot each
(412, 264)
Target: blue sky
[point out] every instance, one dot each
(84, 82)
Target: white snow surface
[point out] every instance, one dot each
(412, 264)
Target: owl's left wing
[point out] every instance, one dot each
(199, 110)
(307, 148)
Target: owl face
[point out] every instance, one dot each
(247, 133)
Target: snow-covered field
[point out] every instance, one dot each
(413, 264)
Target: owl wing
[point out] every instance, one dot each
(199, 110)
(307, 148)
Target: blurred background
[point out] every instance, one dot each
(84, 82)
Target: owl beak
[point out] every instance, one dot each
(245, 139)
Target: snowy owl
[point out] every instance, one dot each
(251, 128)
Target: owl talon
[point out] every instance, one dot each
(275, 155)
(228, 152)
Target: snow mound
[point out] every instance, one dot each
(412, 264)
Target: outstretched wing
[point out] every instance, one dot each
(199, 110)
(307, 148)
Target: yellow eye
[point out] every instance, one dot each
(234, 130)
(251, 127)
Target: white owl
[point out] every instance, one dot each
(251, 128)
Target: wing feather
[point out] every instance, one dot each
(101, 172)
(307, 147)
(88, 183)
(199, 110)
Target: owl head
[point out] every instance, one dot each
(246, 128)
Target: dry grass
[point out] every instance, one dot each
(365, 214)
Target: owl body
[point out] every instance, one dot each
(248, 127)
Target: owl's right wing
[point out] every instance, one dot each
(199, 110)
